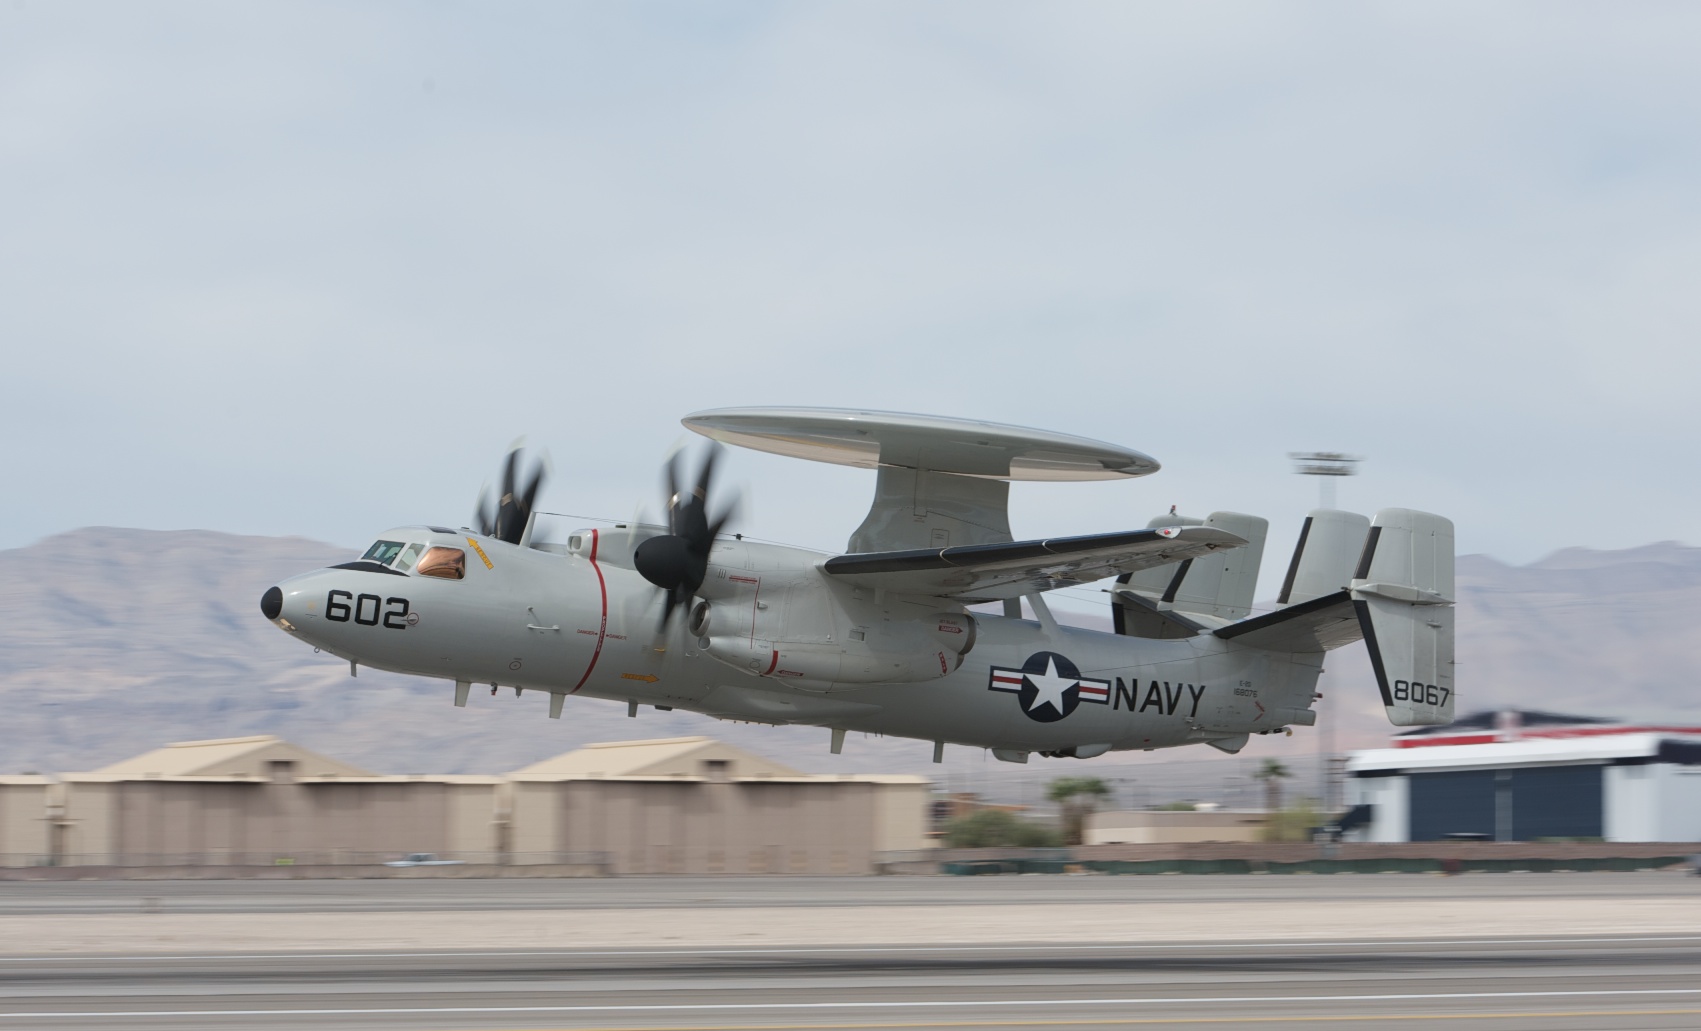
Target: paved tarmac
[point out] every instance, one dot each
(1255, 973)
(450, 895)
(1628, 982)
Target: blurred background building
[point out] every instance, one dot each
(694, 805)
(1529, 776)
(679, 805)
(258, 801)
(1169, 826)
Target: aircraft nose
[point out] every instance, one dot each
(271, 603)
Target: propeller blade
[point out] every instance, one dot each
(672, 498)
(727, 515)
(670, 602)
(506, 520)
(708, 474)
(632, 525)
(481, 512)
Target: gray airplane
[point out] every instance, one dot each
(883, 639)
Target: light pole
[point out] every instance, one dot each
(1327, 466)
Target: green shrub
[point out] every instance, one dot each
(996, 828)
(1295, 823)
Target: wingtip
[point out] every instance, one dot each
(1211, 537)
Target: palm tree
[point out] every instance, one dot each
(1272, 773)
(1078, 796)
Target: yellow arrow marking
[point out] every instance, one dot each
(648, 678)
(481, 553)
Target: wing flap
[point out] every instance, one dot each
(991, 572)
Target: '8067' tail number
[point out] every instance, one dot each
(1421, 694)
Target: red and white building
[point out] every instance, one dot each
(1522, 776)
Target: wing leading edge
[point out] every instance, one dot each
(991, 572)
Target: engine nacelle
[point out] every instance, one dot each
(902, 652)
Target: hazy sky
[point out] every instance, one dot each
(303, 269)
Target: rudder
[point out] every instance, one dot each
(1403, 593)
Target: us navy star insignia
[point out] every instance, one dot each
(1049, 686)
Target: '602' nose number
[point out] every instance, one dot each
(366, 609)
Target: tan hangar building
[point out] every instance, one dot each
(679, 805)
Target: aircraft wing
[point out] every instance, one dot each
(990, 572)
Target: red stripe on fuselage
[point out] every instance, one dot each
(602, 628)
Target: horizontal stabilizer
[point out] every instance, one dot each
(1318, 625)
(992, 572)
(1136, 615)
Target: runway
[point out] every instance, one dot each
(19, 898)
(1485, 983)
(1264, 977)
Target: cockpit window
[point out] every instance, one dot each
(383, 552)
(448, 563)
(405, 563)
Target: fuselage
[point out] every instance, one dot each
(776, 640)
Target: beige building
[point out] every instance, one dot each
(263, 801)
(695, 805)
(1168, 827)
(26, 825)
(681, 805)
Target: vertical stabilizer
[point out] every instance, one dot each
(1222, 583)
(1402, 591)
(1219, 586)
(1330, 545)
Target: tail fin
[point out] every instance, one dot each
(1398, 599)
(1330, 544)
(1219, 586)
(1316, 612)
(1403, 594)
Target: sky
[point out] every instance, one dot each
(310, 268)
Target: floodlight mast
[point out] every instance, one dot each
(1327, 466)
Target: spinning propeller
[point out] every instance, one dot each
(514, 505)
(678, 561)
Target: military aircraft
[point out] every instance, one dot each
(918, 629)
